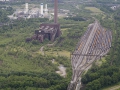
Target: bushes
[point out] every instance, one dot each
(101, 78)
(75, 18)
(17, 80)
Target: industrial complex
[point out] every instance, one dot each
(49, 31)
(30, 13)
(40, 11)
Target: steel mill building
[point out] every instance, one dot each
(49, 31)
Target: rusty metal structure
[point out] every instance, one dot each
(48, 31)
(94, 44)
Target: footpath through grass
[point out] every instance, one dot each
(93, 9)
(115, 87)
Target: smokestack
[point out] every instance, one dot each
(46, 9)
(46, 6)
(55, 11)
(26, 8)
(41, 6)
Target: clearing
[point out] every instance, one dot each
(115, 87)
(94, 9)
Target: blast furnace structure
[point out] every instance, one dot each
(49, 31)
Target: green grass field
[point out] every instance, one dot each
(58, 53)
(93, 9)
(114, 87)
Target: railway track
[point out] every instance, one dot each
(94, 44)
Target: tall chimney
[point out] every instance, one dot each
(45, 6)
(46, 9)
(55, 11)
(41, 6)
(26, 8)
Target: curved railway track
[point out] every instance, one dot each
(94, 44)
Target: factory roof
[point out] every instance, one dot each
(49, 28)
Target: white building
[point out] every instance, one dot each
(5, 0)
(27, 12)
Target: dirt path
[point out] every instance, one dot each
(52, 44)
(62, 71)
(49, 45)
(113, 88)
(42, 50)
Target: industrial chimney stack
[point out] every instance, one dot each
(46, 9)
(55, 11)
(26, 8)
(41, 6)
(45, 30)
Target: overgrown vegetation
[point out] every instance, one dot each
(108, 73)
(22, 67)
(4, 12)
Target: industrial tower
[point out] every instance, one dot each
(49, 31)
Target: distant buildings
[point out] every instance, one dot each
(30, 13)
(115, 7)
(41, 11)
(48, 31)
(5, 0)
